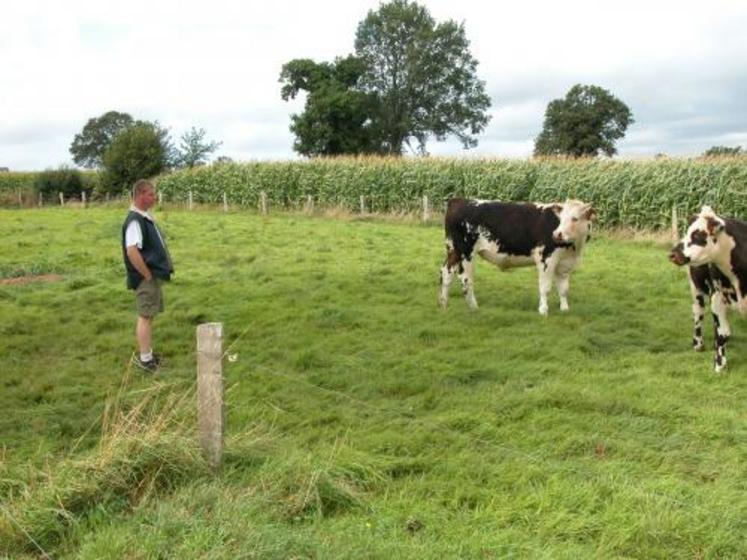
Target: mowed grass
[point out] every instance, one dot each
(363, 420)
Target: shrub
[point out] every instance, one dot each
(64, 179)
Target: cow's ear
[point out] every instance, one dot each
(590, 214)
(557, 208)
(691, 218)
(714, 226)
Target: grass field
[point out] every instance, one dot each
(364, 421)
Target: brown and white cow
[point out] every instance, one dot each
(715, 250)
(549, 236)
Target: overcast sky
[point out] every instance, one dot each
(681, 67)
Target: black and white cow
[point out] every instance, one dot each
(715, 250)
(549, 236)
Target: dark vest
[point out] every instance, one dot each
(154, 252)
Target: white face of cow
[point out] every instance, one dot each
(575, 223)
(700, 245)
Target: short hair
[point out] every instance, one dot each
(140, 186)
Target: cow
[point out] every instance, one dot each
(549, 236)
(715, 251)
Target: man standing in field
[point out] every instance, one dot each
(148, 265)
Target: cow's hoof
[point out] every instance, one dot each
(543, 311)
(719, 369)
(698, 347)
(564, 308)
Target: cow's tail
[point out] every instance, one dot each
(454, 229)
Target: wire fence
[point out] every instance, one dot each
(395, 413)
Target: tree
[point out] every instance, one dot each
(89, 145)
(423, 76)
(336, 118)
(193, 149)
(722, 151)
(410, 79)
(588, 120)
(140, 151)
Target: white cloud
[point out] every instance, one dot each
(677, 64)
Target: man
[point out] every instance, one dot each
(148, 265)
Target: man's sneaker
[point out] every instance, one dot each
(150, 366)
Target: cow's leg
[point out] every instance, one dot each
(698, 314)
(545, 285)
(563, 281)
(467, 276)
(447, 274)
(451, 265)
(722, 329)
(700, 288)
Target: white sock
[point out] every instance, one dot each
(146, 356)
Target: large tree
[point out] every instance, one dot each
(140, 151)
(89, 145)
(336, 117)
(423, 76)
(410, 79)
(587, 121)
(194, 149)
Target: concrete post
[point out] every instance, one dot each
(210, 412)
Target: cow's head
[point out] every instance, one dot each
(700, 245)
(575, 223)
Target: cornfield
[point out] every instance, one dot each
(625, 193)
(638, 194)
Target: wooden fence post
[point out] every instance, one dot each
(41, 199)
(190, 200)
(263, 202)
(426, 209)
(160, 198)
(225, 202)
(62, 199)
(83, 198)
(675, 229)
(20, 198)
(210, 411)
(309, 204)
(363, 204)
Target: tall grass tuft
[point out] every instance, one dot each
(309, 487)
(146, 449)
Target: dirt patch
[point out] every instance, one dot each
(21, 280)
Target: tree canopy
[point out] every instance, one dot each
(587, 121)
(423, 76)
(411, 79)
(337, 117)
(89, 145)
(141, 150)
(193, 149)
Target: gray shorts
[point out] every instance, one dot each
(149, 298)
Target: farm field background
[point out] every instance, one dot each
(364, 421)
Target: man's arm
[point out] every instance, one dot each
(133, 253)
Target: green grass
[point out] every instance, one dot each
(364, 421)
